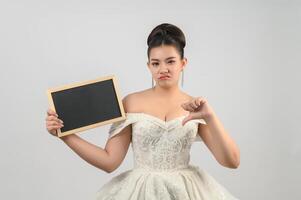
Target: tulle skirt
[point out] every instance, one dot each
(189, 183)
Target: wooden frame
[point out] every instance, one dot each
(54, 103)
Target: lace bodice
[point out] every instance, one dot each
(161, 163)
(159, 145)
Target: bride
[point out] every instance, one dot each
(162, 123)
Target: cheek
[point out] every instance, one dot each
(177, 71)
(154, 71)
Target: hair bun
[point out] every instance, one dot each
(167, 30)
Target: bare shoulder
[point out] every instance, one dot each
(132, 101)
(141, 101)
(187, 96)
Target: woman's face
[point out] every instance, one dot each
(165, 65)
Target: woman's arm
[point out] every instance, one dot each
(108, 158)
(213, 133)
(219, 142)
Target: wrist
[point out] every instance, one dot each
(65, 138)
(209, 116)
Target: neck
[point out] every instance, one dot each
(167, 92)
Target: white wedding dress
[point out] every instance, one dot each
(161, 163)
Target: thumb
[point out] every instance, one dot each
(186, 119)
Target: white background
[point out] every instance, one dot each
(243, 56)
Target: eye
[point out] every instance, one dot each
(170, 62)
(155, 64)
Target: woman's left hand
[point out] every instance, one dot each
(198, 108)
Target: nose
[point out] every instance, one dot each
(163, 69)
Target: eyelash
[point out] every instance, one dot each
(172, 61)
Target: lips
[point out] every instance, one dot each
(164, 77)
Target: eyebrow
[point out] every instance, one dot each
(153, 59)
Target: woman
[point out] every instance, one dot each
(162, 123)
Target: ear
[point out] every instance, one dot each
(184, 62)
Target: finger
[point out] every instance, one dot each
(191, 116)
(201, 100)
(186, 119)
(51, 123)
(190, 107)
(193, 104)
(197, 102)
(184, 106)
(52, 128)
(51, 112)
(53, 118)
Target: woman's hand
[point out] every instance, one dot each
(198, 108)
(53, 122)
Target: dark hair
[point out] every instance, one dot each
(167, 34)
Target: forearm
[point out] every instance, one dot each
(91, 153)
(224, 147)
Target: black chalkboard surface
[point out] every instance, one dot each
(87, 104)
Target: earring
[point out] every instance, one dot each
(182, 78)
(152, 82)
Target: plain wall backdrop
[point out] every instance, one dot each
(243, 56)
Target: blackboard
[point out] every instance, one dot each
(87, 104)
